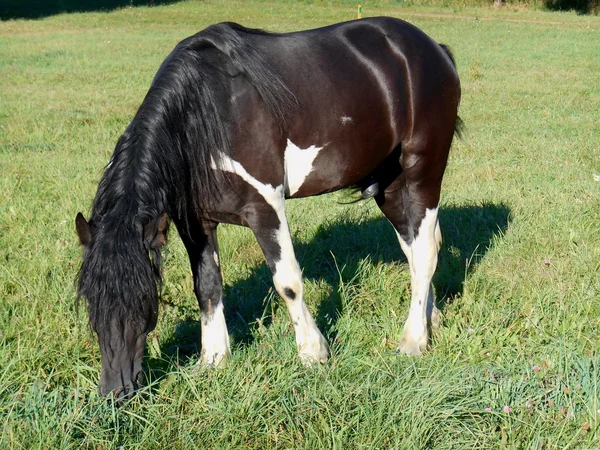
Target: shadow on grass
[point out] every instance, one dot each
(335, 255)
(37, 9)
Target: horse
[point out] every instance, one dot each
(238, 120)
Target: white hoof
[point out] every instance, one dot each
(315, 352)
(214, 360)
(411, 346)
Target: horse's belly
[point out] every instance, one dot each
(328, 167)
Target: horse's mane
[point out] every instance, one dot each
(179, 132)
(164, 162)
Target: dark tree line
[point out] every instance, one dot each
(33, 9)
(581, 6)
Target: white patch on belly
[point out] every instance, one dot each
(298, 164)
(346, 120)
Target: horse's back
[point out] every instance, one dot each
(360, 86)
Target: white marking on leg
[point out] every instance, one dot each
(434, 314)
(405, 248)
(298, 165)
(438, 235)
(346, 120)
(312, 346)
(422, 255)
(216, 258)
(215, 338)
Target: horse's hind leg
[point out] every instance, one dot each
(203, 251)
(412, 209)
(270, 227)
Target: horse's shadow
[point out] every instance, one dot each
(334, 255)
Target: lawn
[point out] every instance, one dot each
(516, 362)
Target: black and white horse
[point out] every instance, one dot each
(235, 122)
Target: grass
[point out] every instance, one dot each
(516, 363)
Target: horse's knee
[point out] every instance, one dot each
(288, 280)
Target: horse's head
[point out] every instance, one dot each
(120, 278)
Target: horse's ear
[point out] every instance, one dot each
(83, 230)
(155, 233)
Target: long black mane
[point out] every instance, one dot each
(163, 163)
(178, 131)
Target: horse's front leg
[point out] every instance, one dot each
(270, 227)
(203, 251)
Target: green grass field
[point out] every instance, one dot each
(516, 362)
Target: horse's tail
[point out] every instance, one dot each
(459, 127)
(449, 53)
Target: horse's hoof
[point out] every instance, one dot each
(410, 347)
(216, 361)
(317, 353)
(309, 360)
(371, 191)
